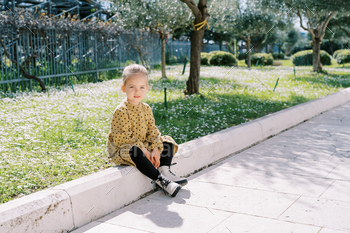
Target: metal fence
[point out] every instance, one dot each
(80, 55)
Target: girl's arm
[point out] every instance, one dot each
(123, 137)
(153, 134)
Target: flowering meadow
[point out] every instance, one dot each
(50, 138)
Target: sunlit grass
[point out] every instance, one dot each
(286, 62)
(50, 138)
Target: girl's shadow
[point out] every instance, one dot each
(158, 208)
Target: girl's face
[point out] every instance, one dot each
(135, 88)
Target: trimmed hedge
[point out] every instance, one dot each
(336, 53)
(278, 56)
(220, 58)
(343, 56)
(205, 58)
(304, 58)
(264, 59)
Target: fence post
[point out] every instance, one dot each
(96, 60)
(120, 51)
(49, 2)
(65, 63)
(29, 71)
(18, 75)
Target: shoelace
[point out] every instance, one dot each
(170, 170)
(163, 181)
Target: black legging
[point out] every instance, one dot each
(145, 166)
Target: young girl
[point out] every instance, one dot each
(134, 138)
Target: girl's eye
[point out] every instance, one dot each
(142, 87)
(131, 87)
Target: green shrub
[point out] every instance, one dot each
(336, 53)
(278, 56)
(171, 60)
(264, 59)
(304, 58)
(205, 58)
(242, 56)
(220, 58)
(157, 66)
(343, 56)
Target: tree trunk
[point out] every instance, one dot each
(163, 57)
(331, 47)
(200, 12)
(248, 57)
(195, 62)
(316, 60)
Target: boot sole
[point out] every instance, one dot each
(182, 182)
(176, 191)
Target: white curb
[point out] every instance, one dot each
(78, 202)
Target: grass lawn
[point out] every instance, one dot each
(50, 138)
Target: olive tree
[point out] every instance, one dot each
(222, 19)
(158, 16)
(341, 22)
(314, 16)
(200, 12)
(253, 21)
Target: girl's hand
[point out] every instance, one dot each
(147, 154)
(155, 155)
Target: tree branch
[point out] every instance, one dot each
(255, 35)
(24, 72)
(325, 23)
(242, 37)
(192, 5)
(309, 18)
(301, 20)
(344, 30)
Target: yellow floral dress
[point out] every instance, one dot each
(133, 126)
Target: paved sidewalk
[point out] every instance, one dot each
(298, 181)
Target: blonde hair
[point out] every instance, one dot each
(132, 70)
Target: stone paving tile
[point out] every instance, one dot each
(240, 223)
(308, 186)
(168, 215)
(235, 199)
(278, 166)
(287, 151)
(306, 149)
(341, 172)
(245, 178)
(98, 227)
(326, 230)
(255, 162)
(339, 190)
(319, 212)
(263, 180)
(332, 118)
(341, 156)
